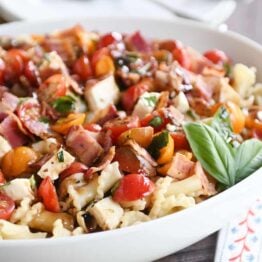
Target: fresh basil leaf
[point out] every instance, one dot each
(248, 158)
(156, 121)
(64, 104)
(60, 156)
(212, 152)
(158, 142)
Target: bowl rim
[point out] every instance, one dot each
(210, 201)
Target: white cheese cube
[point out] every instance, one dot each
(146, 104)
(55, 165)
(107, 213)
(18, 189)
(181, 102)
(102, 94)
(44, 146)
(4, 146)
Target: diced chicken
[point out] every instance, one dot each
(12, 231)
(107, 213)
(102, 94)
(83, 145)
(60, 161)
(146, 104)
(4, 146)
(244, 78)
(18, 189)
(181, 103)
(180, 167)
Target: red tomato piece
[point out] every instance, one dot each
(7, 206)
(109, 39)
(216, 56)
(52, 88)
(180, 141)
(131, 95)
(170, 45)
(74, 168)
(47, 193)
(2, 71)
(117, 126)
(97, 56)
(181, 55)
(82, 67)
(257, 133)
(93, 127)
(15, 60)
(133, 187)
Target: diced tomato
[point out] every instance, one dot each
(182, 57)
(82, 67)
(97, 55)
(131, 95)
(138, 43)
(7, 206)
(133, 187)
(52, 88)
(109, 39)
(216, 56)
(257, 133)
(31, 73)
(47, 193)
(2, 71)
(15, 60)
(74, 168)
(93, 127)
(180, 141)
(146, 121)
(117, 126)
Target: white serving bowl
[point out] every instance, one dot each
(158, 238)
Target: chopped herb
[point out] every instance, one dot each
(156, 121)
(151, 100)
(158, 142)
(228, 69)
(60, 156)
(64, 104)
(44, 119)
(32, 182)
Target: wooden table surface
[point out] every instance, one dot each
(247, 20)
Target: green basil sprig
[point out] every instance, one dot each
(218, 158)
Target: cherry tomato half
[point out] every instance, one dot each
(117, 126)
(182, 57)
(7, 206)
(82, 67)
(180, 141)
(133, 187)
(216, 56)
(109, 39)
(47, 193)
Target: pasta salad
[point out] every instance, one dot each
(104, 131)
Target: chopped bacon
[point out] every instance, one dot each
(180, 167)
(83, 145)
(105, 140)
(208, 184)
(106, 159)
(174, 115)
(10, 128)
(8, 103)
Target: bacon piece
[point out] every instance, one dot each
(106, 159)
(10, 128)
(8, 103)
(83, 145)
(180, 167)
(174, 115)
(105, 140)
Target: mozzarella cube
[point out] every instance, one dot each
(44, 146)
(107, 213)
(102, 94)
(4, 146)
(18, 189)
(55, 165)
(181, 103)
(146, 104)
